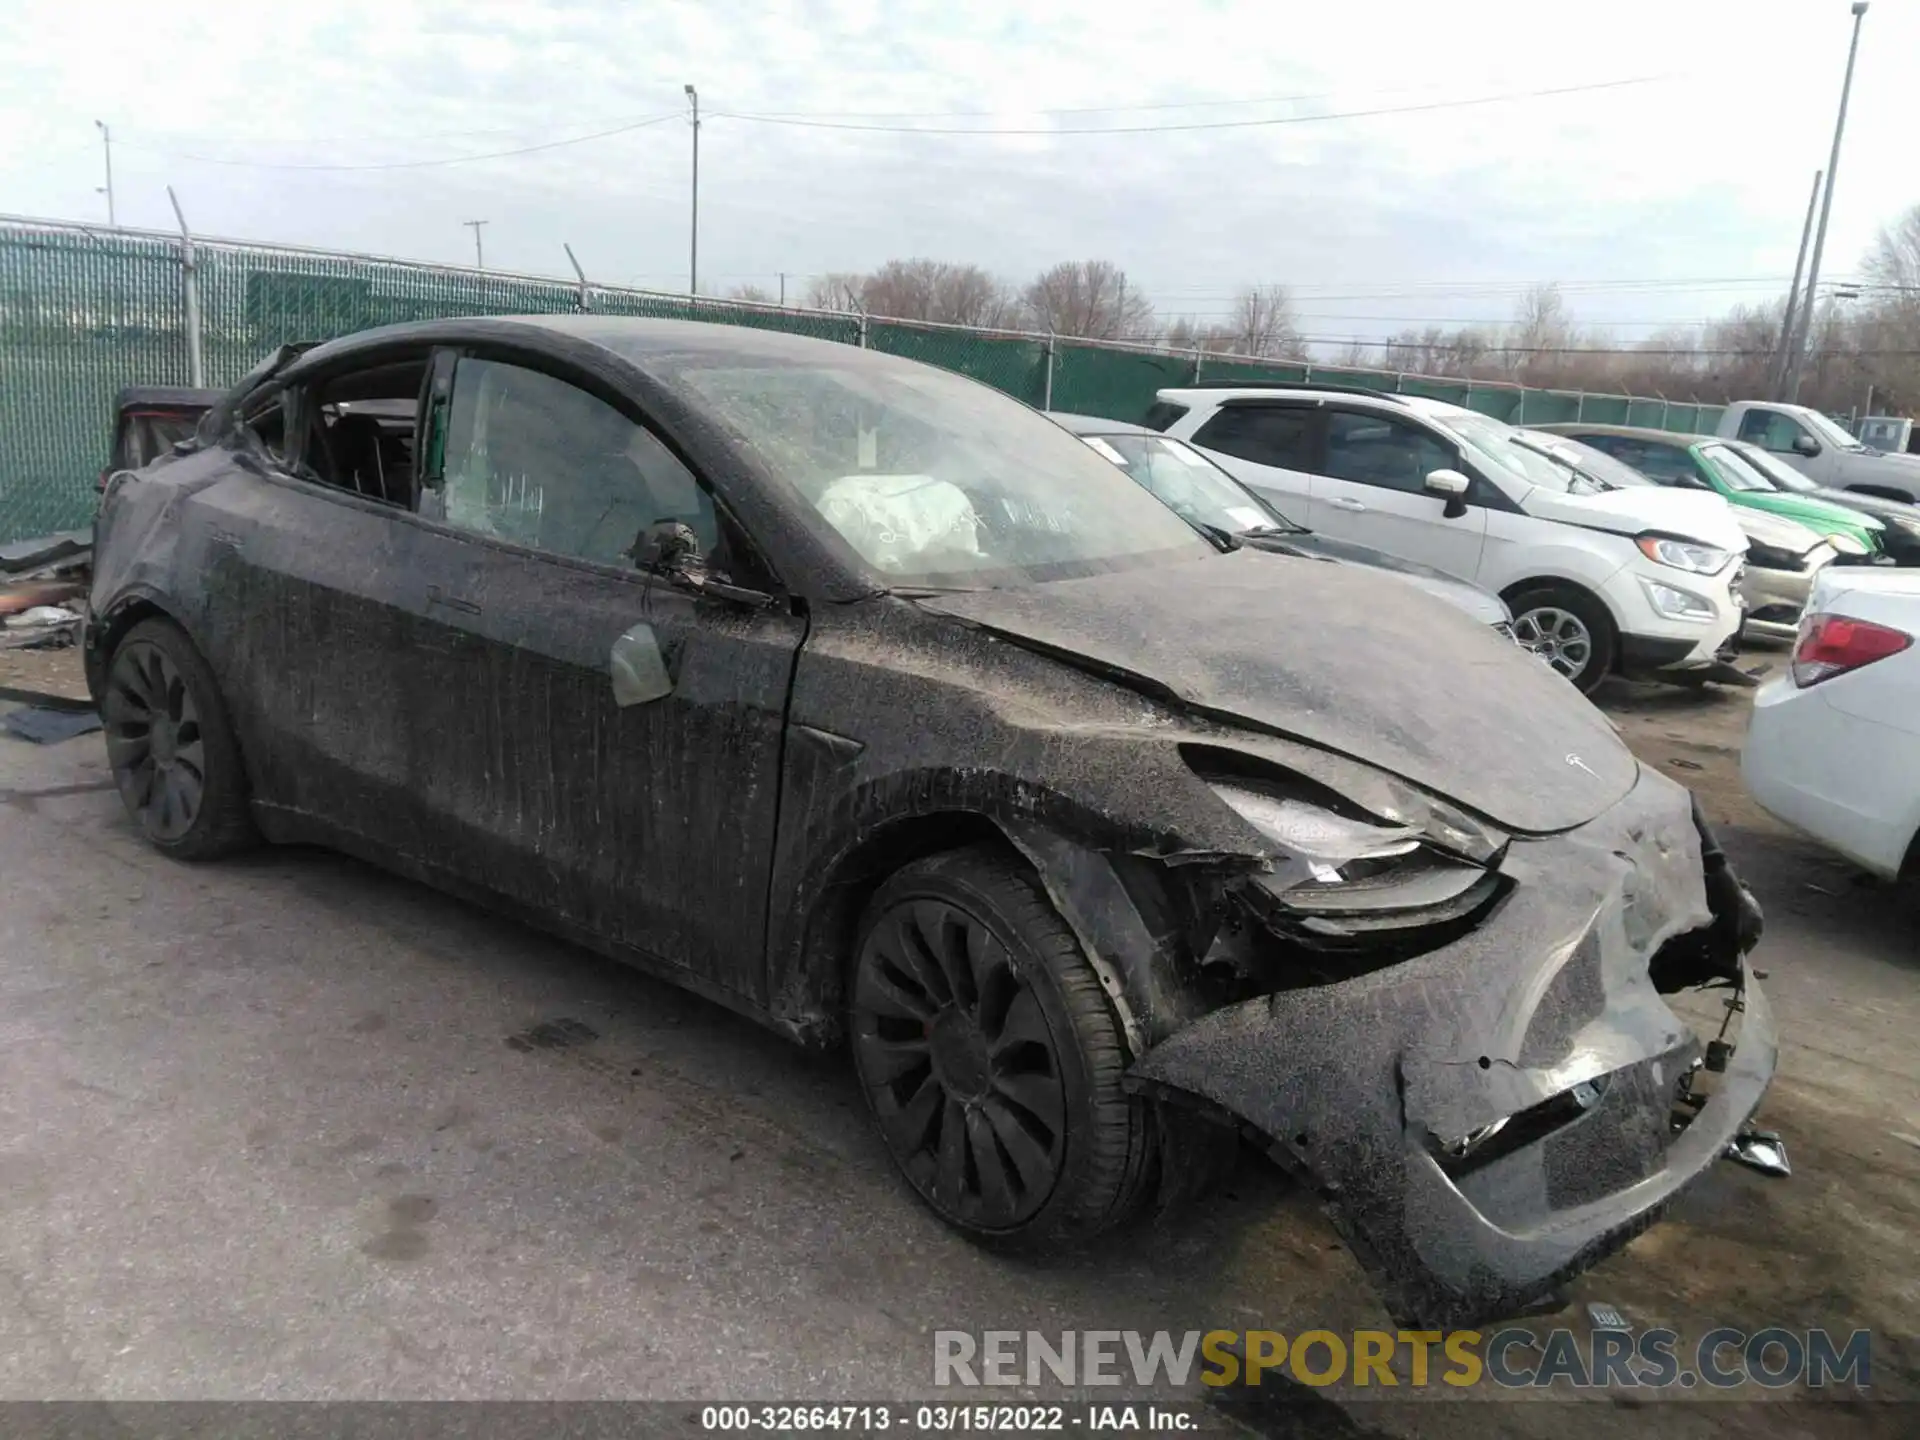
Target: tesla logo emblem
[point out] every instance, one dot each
(1579, 764)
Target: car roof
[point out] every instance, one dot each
(1095, 425)
(634, 338)
(1573, 429)
(1227, 394)
(1224, 395)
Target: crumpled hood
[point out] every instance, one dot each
(1341, 659)
(1696, 516)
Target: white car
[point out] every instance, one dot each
(1833, 746)
(1643, 581)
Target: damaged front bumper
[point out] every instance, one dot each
(1491, 1118)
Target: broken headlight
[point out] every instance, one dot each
(1333, 848)
(1341, 880)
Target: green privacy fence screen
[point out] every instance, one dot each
(85, 311)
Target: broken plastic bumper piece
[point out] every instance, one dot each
(1487, 1120)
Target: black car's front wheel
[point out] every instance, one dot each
(991, 1056)
(174, 758)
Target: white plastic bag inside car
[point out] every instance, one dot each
(905, 524)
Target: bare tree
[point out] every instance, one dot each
(1542, 330)
(1090, 298)
(938, 290)
(836, 290)
(1433, 351)
(1182, 334)
(1358, 355)
(1264, 324)
(754, 294)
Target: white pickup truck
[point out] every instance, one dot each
(1821, 449)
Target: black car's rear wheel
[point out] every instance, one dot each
(991, 1056)
(172, 751)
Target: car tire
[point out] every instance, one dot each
(992, 1058)
(1569, 628)
(171, 746)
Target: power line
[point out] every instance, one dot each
(1193, 124)
(1147, 105)
(418, 164)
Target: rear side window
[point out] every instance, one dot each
(1266, 435)
(1662, 464)
(1161, 414)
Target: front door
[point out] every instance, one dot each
(1371, 489)
(604, 746)
(1777, 432)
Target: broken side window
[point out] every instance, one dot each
(536, 460)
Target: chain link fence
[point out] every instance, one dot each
(85, 311)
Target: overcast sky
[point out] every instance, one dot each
(1654, 202)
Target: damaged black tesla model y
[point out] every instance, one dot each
(863, 699)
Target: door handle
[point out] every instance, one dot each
(1341, 503)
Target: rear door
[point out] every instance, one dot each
(1269, 447)
(1372, 489)
(598, 743)
(307, 589)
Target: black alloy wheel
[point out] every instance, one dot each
(169, 745)
(990, 1056)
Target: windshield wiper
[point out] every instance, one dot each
(1288, 529)
(1226, 539)
(927, 592)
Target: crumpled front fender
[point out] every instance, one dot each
(1492, 1117)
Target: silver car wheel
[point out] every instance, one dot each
(1558, 637)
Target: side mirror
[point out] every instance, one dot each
(1451, 486)
(667, 548)
(670, 549)
(1805, 445)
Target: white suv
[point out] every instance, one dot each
(1644, 581)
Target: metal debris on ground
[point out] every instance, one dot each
(45, 725)
(49, 626)
(18, 599)
(1761, 1150)
(70, 549)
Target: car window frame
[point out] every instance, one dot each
(1683, 458)
(1407, 422)
(1316, 431)
(1772, 415)
(437, 400)
(296, 399)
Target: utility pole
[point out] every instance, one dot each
(106, 139)
(1826, 205)
(693, 241)
(783, 287)
(479, 259)
(1777, 381)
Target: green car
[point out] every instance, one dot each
(1703, 462)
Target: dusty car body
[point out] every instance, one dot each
(1069, 849)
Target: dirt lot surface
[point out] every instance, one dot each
(285, 1127)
